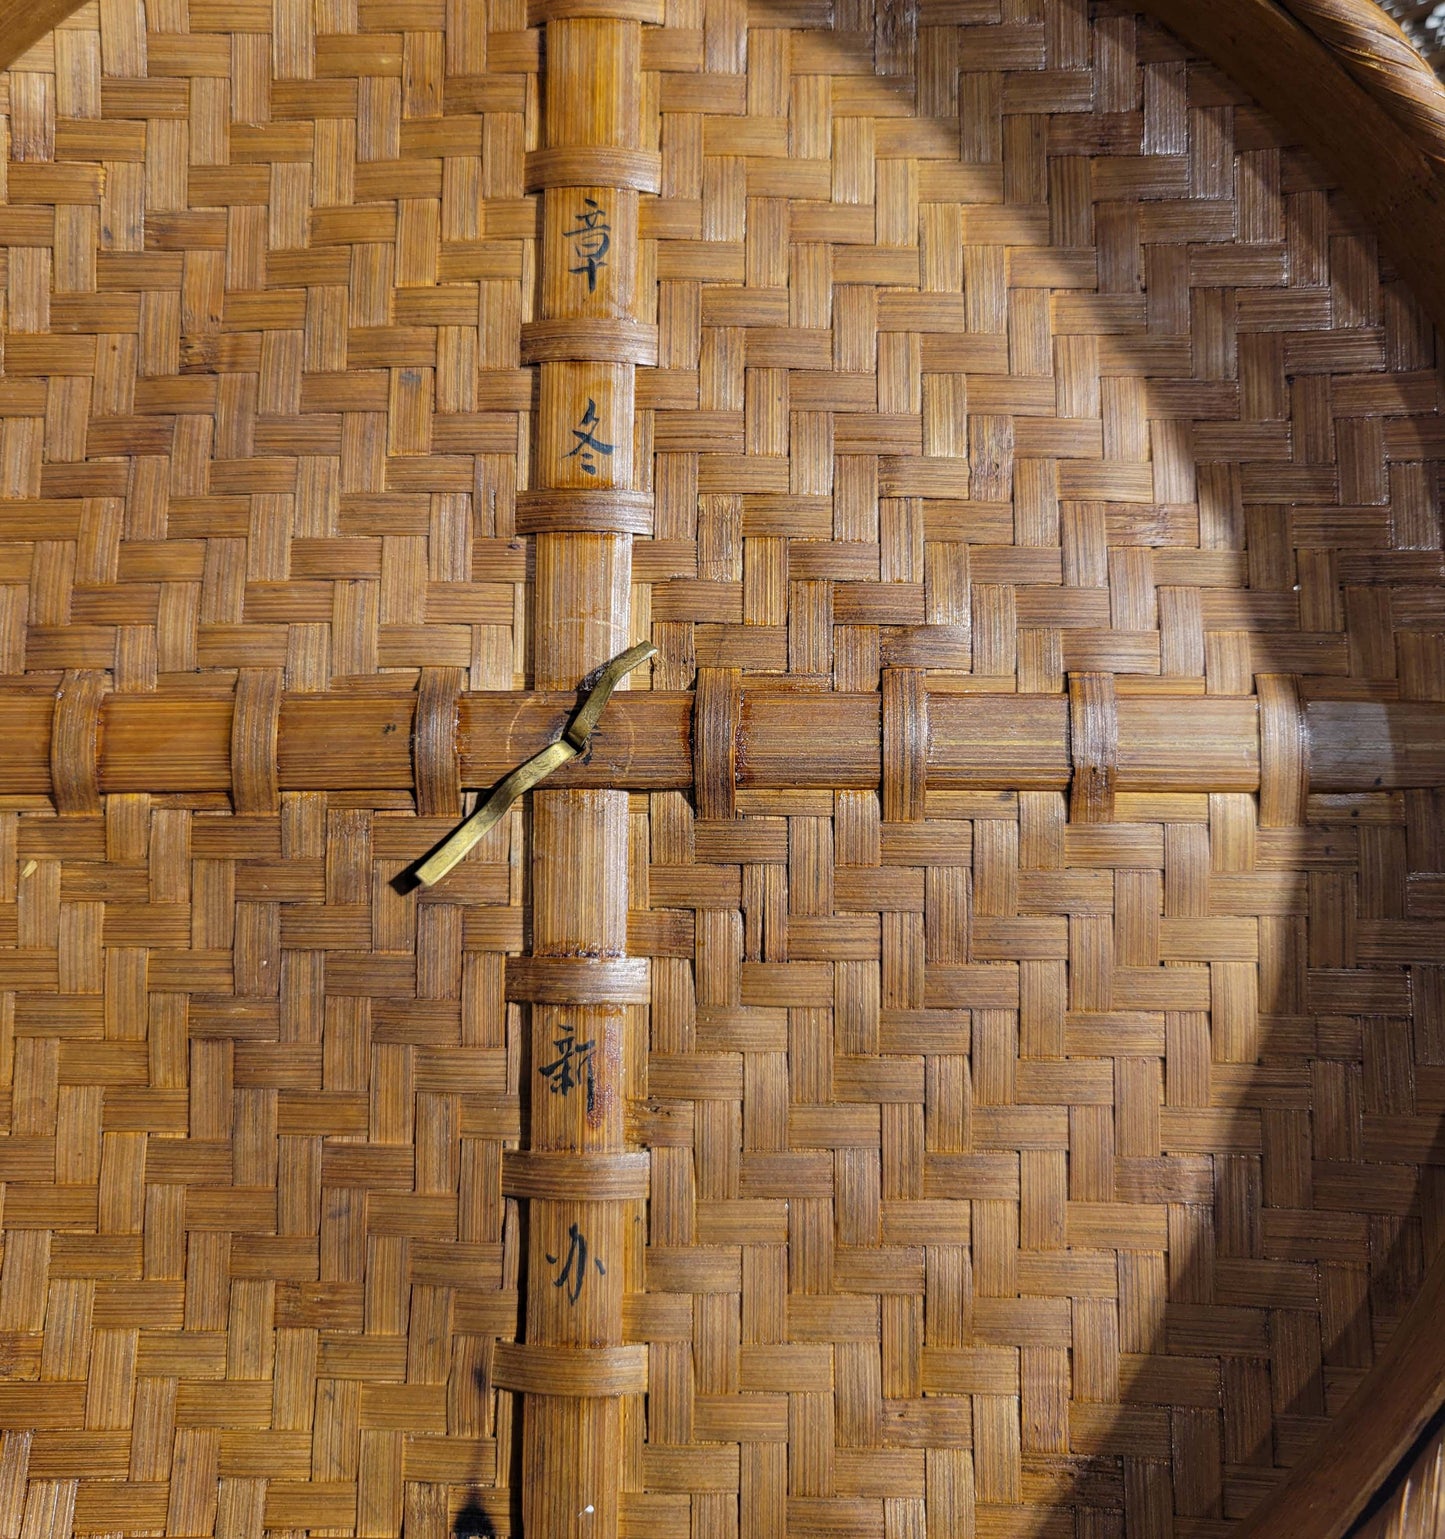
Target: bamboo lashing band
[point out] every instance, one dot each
(536, 769)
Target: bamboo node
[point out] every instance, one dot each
(572, 1177)
(579, 980)
(641, 170)
(589, 341)
(608, 510)
(540, 12)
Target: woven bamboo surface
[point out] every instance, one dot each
(1049, 1177)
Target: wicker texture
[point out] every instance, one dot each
(1052, 1168)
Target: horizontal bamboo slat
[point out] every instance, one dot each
(645, 742)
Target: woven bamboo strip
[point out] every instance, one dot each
(1349, 55)
(1326, 44)
(22, 24)
(580, 1247)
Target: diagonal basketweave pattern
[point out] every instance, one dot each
(266, 284)
(1050, 1176)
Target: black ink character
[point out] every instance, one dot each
(591, 241)
(587, 440)
(571, 1067)
(576, 1256)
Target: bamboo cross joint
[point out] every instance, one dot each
(534, 770)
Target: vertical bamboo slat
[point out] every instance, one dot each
(572, 1441)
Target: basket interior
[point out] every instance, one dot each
(1001, 340)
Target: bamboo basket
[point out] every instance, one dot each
(961, 1048)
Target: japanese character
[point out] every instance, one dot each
(587, 440)
(591, 241)
(571, 1067)
(576, 1255)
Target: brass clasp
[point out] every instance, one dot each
(536, 769)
